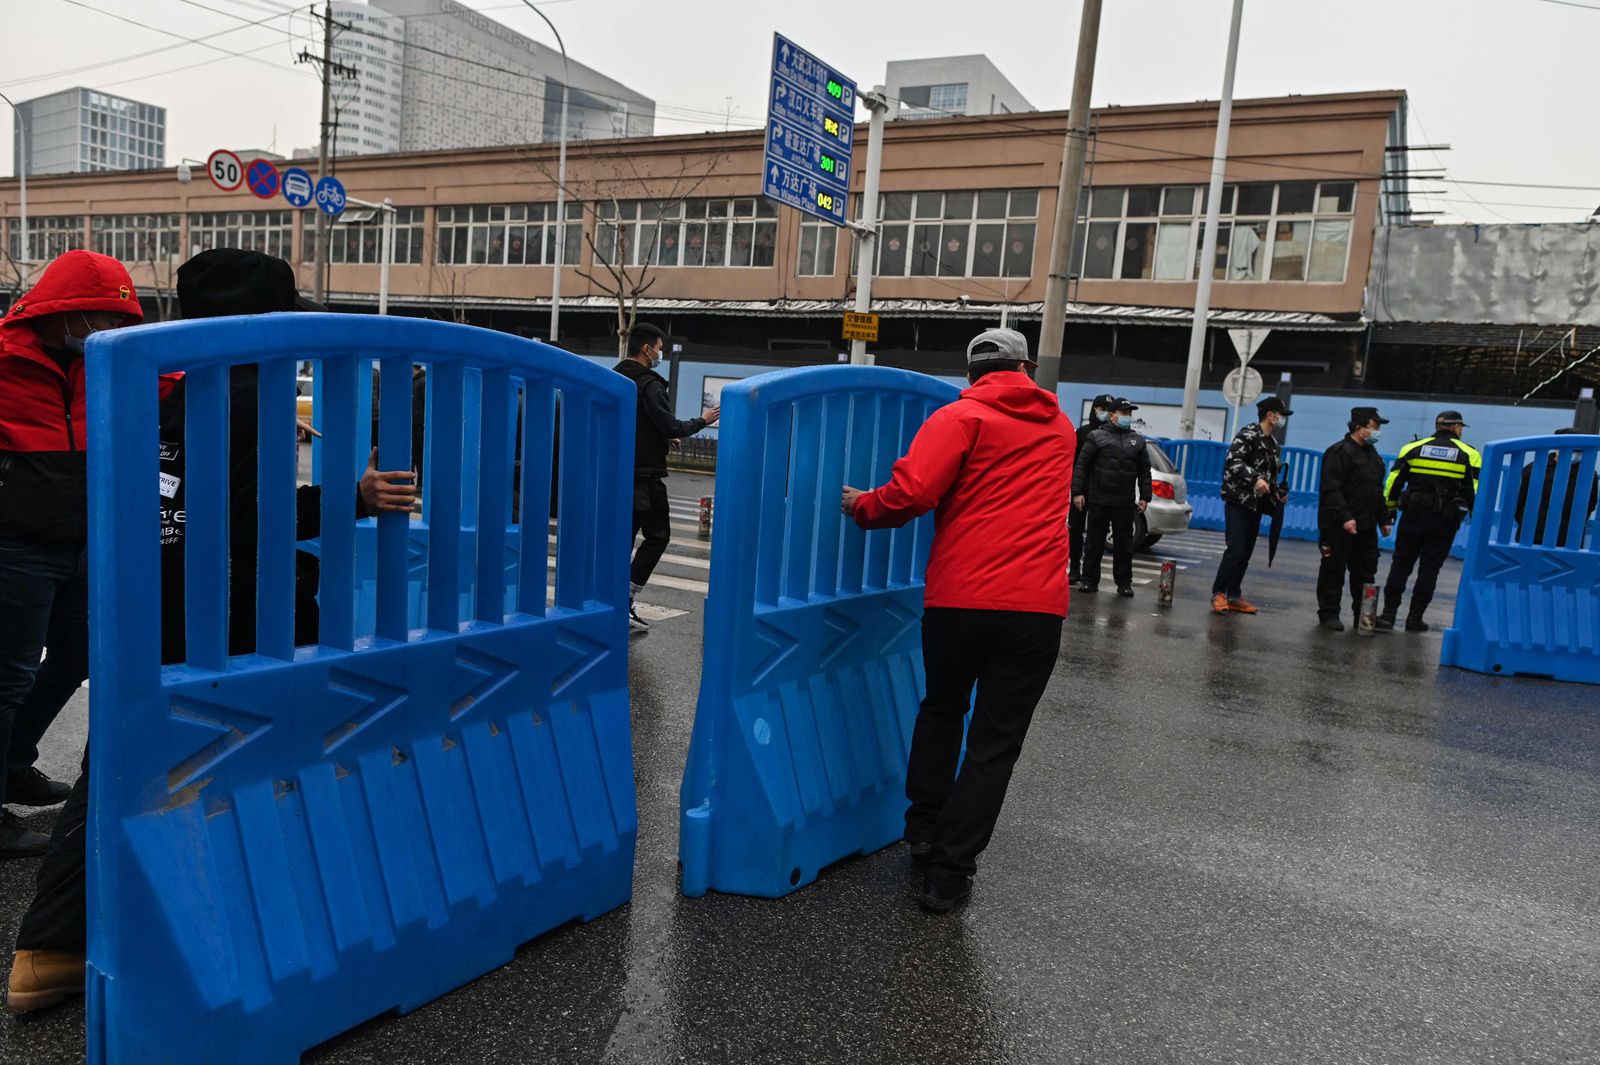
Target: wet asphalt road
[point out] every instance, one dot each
(1229, 839)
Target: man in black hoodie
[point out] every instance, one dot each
(1099, 414)
(657, 429)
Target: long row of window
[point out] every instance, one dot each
(1286, 231)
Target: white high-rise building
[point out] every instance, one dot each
(435, 74)
(954, 85)
(79, 130)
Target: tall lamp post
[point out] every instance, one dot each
(561, 182)
(23, 256)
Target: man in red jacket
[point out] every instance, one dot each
(44, 591)
(994, 467)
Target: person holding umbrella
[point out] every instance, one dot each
(1249, 491)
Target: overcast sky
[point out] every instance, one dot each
(1511, 85)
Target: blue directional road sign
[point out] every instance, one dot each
(810, 133)
(330, 196)
(297, 187)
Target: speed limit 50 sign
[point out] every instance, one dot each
(225, 170)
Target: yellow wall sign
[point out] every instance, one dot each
(861, 327)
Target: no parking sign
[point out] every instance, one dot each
(262, 178)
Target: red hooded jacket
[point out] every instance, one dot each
(43, 474)
(995, 467)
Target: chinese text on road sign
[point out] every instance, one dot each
(810, 133)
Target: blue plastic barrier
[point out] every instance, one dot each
(1529, 604)
(1206, 459)
(287, 843)
(813, 656)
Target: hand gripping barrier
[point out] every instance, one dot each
(1530, 586)
(286, 843)
(813, 651)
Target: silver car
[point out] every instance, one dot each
(1169, 510)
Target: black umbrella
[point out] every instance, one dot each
(1280, 503)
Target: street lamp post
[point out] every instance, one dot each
(386, 252)
(23, 256)
(561, 183)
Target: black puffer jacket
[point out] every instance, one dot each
(1112, 464)
(1352, 487)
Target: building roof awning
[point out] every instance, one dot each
(1092, 313)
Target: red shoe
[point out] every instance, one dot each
(1242, 606)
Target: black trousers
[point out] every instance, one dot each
(653, 516)
(1008, 655)
(1120, 521)
(57, 919)
(1425, 535)
(1242, 528)
(1345, 555)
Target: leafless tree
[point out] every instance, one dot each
(450, 281)
(614, 178)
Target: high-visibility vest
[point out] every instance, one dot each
(1442, 464)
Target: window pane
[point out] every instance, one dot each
(765, 209)
(827, 242)
(1144, 203)
(958, 205)
(892, 255)
(766, 244)
(643, 244)
(1179, 200)
(806, 266)
(605, 242)
(1330, 246)
(953, 250)
(1219, 266)
(1024, 203)
(716, 243)
(1289, 243)
(1101, 254)
(694, 243)
(1255, 199)
(897, 207)
(1247, 251)
(1105, 203)
(497, 244)
(925, 251)
(744, 208)
(1172, 251)
(742, 241)
(991, 205)
(987, 249)
(1138, 250)
(1336, 197)
(1019, 249)
(667, 254)
(1295, 197)
(929, 204)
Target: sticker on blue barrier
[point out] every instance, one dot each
(812, 672)
(286, 843)
(1529, 601)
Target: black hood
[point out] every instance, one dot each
(225, 281)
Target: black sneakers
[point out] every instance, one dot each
(943, 897)
(17, 840)
(29, 787)
(1416, 625)
(1332, 624)
(1125, 592)
(1088, 589)
(921, 851)
(636, 624)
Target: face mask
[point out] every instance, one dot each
(1101, 415)
(76, 344)
(1376, 433)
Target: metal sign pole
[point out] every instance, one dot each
(388, 255)
(867, 233)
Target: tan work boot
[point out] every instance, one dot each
(1219, 604)
(43, 978)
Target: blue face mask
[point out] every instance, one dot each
(1376, 433)
(1101, 415)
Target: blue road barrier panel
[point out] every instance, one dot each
(812, 673)
(288, 842)
(1529, 602)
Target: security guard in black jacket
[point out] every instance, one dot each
(1350, 511)
(1433, 484)
(1099, 413)
(1111, 481)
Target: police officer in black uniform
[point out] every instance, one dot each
(1099, 412)
(1433, 484)
(1350, 511)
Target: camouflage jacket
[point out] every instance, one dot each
(1252, 455)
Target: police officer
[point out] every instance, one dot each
(1350, 510)
(1099, 413)
(1432, 484)
(1111, 483)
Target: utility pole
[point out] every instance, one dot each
(329, 69)
(1054, 327)
(1208, 252)
(867, 229)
